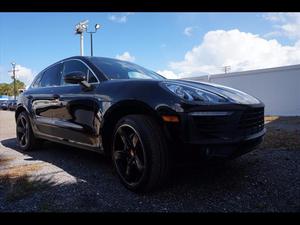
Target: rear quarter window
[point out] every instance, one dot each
(51, 76)
(36, 81)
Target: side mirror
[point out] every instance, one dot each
(77, 77)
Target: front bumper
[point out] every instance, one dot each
(227, 133)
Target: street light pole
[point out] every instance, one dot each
(97, 26)
(91, 43)
(81, 44)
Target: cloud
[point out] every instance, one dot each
(126, 57)
(118, 19)
(24, 74)
(275, 17)
(239, 50)
(121, 18)
(188, 31)
(285, 24)
(168, 74)
(272, 34)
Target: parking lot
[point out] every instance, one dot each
(60, 178)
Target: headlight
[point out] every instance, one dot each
(193, 94)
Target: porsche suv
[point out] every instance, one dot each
(141, 120)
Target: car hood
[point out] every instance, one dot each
(233, 95)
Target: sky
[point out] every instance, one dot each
(174, 44)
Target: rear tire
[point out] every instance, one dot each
(25, 136)
(148, 154)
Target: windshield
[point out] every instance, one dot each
(117, 69)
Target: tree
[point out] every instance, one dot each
(8, 89)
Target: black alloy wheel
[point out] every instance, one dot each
(139, 153)
(22, 131)
(129, 155)
(25, 136)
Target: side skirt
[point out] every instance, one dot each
(70, 143)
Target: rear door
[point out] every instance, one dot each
(42, 99)
(74, 118)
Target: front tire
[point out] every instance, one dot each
(139, 153)
(25, 136)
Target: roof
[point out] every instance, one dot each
(89, 57)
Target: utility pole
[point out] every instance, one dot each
(14, 77)
(226, 69)
(79, 29)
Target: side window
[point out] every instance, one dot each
(137, 75)
(74, 65)
(92, 78)
(37, 80)
(51, 76)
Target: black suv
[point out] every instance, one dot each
(136, 116)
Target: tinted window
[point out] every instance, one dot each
(51, 76)
(117, 69)
(91, 78)
(36, 82)
(75, 65)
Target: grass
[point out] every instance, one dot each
(5, 160)
(271, 118)
(21, 187)
(20, 170)
(17, 182)
(290, 120)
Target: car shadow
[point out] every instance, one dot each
(88, 166)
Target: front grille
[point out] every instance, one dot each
(245, 123)
(211, 124)
(252, 121)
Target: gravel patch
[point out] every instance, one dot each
(72, 180)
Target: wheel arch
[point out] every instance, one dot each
(119, 110)
(20, 108)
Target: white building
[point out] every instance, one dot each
(278, 88)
